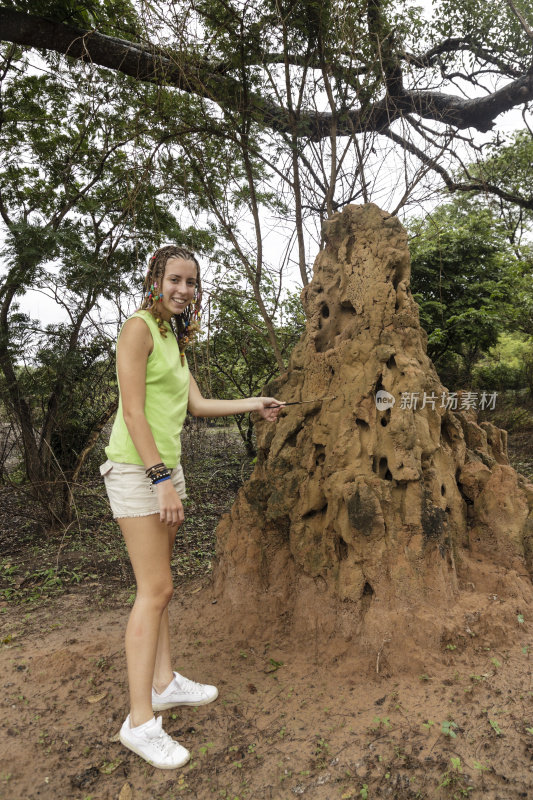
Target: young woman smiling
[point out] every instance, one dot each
(145, 484)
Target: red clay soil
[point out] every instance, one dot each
(288, 722)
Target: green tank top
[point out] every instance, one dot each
(165, 407)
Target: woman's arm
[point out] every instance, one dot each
(200, 406)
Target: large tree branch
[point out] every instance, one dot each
(151, 64)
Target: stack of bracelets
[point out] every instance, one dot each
(158, 473)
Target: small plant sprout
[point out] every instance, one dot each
(273, 665)
(520, 618)
(381, 722)
(496, 662)
(495, 727)
(322, 752)
(448, 728)
(454, 780)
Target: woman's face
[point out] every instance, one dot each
(179, 283)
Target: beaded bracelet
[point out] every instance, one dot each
(161, 476)
(153, 476)
(155, 467)
(157, 473)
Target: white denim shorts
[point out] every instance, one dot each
(130, 492)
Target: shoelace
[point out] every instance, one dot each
(188, 686)
(163, 742)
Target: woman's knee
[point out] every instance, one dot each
(157, 595)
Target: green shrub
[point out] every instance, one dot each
(498, 377)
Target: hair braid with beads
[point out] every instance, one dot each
(186, 324)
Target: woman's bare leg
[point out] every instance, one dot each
(147, 540)
(163, 673)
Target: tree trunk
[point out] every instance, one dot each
(16, 403)
(245, 426)
(367, 517)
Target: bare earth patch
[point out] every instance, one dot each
(287, 723)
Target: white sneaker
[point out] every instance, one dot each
(151, 742)
(183, 692)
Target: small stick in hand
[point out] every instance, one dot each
(299, 402)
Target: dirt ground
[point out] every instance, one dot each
(285, 724)
(288, 722)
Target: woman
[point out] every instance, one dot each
(145, 485)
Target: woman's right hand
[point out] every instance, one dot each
(170, 505)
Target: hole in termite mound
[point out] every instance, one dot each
(341, 549)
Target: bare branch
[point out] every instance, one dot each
(451, 184)
(431, 57)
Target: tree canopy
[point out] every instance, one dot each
(462, 278)
(310, 70)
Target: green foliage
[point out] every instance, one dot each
(509, 165)
(31, 587)
(492, 25)
(455, 781)
(461, 278)
(239, 360)
(111, 16)
(88, 376)
(507, 365)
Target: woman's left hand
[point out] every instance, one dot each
(270, 408)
